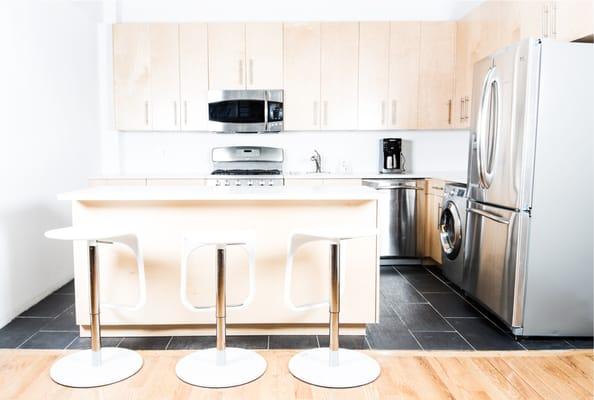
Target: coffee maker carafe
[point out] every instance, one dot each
(391, 160)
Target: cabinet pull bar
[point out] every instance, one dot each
(175, 113)
(241, 72)
(315, 113)
(466, 108)
(545, 23)
(251, 71)
(554, 21)
(461, 109)
(450, 111)
(438, 215)
(146, 118)
(325, 113)
(383, 113)
(394, 111)
(185, 112)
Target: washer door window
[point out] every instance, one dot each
(450, 230)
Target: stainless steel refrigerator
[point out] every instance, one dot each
(529, 232)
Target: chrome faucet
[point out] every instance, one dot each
(317, 158)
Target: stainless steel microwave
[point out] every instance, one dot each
(245, 111)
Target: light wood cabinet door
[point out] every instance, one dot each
(302, 76)
(226, 56)
(339, 74)
(436, 76)
(432, 241)
(405, 47)
(165, 105)
(264, 55)
(572, 19)
(462, 77)
(374, 62)
(193, 44)
(131, 76)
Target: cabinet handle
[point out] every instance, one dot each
(466, 107)
(241, 72)
(146, 121)
(450, 111)
(175, 113)
(394, 111)
(383, 113)
(554, 21)
(251, 71)
(461, 109)
(438, 214)
(185, 112)
(545, 20)
(325, 113)
(315, 113)
(437, 188)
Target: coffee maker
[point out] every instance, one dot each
(391, 159)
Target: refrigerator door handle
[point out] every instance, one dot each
(491, 216)
(486, 126)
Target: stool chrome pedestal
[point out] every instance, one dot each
(221, 366)
(99, 366)
(332, 366)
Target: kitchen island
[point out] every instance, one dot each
(160, 216)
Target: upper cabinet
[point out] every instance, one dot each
(264, 55)
(572, 19)
(436, 75)
(146, 76)
(226, 56)
(245, 56)
(405, 49)
(193, 60)
(374, 69)
(302, 76)
(339, 74)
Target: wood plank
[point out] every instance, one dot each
(24, 374)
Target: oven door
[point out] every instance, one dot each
(244, 111)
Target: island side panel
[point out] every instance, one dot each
(161, 226)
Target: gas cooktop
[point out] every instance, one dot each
(246, 172)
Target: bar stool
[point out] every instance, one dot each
(221, 366)
(99, 366)
(330, 366)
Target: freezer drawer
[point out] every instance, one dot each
(496, 240)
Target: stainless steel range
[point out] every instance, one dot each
(247, 166)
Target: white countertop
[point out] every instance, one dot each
(136, 193)
(452, 176)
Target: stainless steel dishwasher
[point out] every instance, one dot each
(400, 225)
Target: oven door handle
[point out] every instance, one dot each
(266, 94)
(393, 187)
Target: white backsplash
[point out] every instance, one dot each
(342, 152)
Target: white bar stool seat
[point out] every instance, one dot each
(99, 366)
(221, 366)
(330, 366)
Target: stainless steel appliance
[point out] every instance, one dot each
(245, 111)
(452, 225)
(528, 253)
(391, 160)
(400, 236)
(247, 166)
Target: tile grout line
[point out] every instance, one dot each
(70, 344)
(168, 342)
(416, 340)
(120, 342)
(469, 303)
(268, 343)
(467, 341)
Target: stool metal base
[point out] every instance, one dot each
(77, 370)
(353, 368)
(201, 368)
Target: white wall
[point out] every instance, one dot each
(302, 10)
(50, 139)
(182, 153)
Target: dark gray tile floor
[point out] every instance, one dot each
(419, 310)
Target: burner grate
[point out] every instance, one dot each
(246, 172)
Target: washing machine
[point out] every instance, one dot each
(452, 226)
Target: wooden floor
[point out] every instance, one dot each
(405, 375)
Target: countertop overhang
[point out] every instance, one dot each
(209, 193)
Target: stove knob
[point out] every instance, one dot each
(262, 182)
(238, 183)
(218, 183)
(227, 183)
(250, 183)
(270, 182)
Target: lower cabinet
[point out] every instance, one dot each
(433, 213)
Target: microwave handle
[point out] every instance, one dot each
(266, 110)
